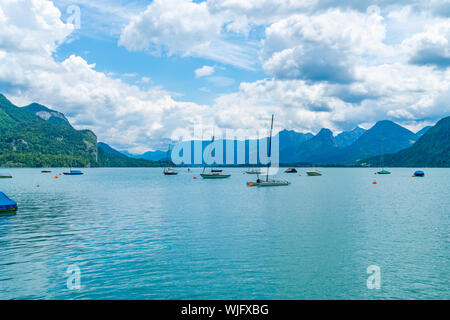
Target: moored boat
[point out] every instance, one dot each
(46, 171)
(169, 171)
(384, 172)
(290, 170)
(73, 173)
(6, 204)
(5, 176)
(213, 173)
(268, 182)
(313, 173)
(254, 171)
(419, 173)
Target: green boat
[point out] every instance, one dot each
(313, 173)
(383, 172)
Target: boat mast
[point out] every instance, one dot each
(212, 142)
(167, 158)
(270, 150)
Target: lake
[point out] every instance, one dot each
(137, 234)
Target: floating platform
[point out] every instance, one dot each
(6, 204)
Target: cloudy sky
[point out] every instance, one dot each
(135, 71)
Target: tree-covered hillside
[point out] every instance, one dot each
(31, 140)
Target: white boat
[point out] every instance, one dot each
(169, 171)
(268, 182)
(254, 171)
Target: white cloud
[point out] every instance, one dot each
(333, 68)
(204, 71)
(119, 113)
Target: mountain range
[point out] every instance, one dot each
(36, 136)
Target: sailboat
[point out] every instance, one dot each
(382, 171)
(213, 173)
(169, 171)
(267, 182)
(73, 172)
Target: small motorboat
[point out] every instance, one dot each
(73, 173)
(6, 204)
(383, 172)
(170, 172)
(291, 170)
(313, 173)
(46, 171)
(419, 173)
(254, 171)
(5, 176)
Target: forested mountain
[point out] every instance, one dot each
(431, 150)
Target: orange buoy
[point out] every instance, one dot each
(195, 178)
(374, 182)
(250, 185)
(56, 177)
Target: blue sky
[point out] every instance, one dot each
(136, 71)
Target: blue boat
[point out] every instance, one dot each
(419, 174)
(6, 204)
(73, 173)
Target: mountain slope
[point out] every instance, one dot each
(422, 131)
(346, 138)
(384, 135)
(28, 140)
(157, 155)
(317, 149)
(110, 157)
(47, 114)
(431, 150)
(289, 140)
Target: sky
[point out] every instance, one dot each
(136, 71)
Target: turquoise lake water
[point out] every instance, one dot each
(137, 234)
